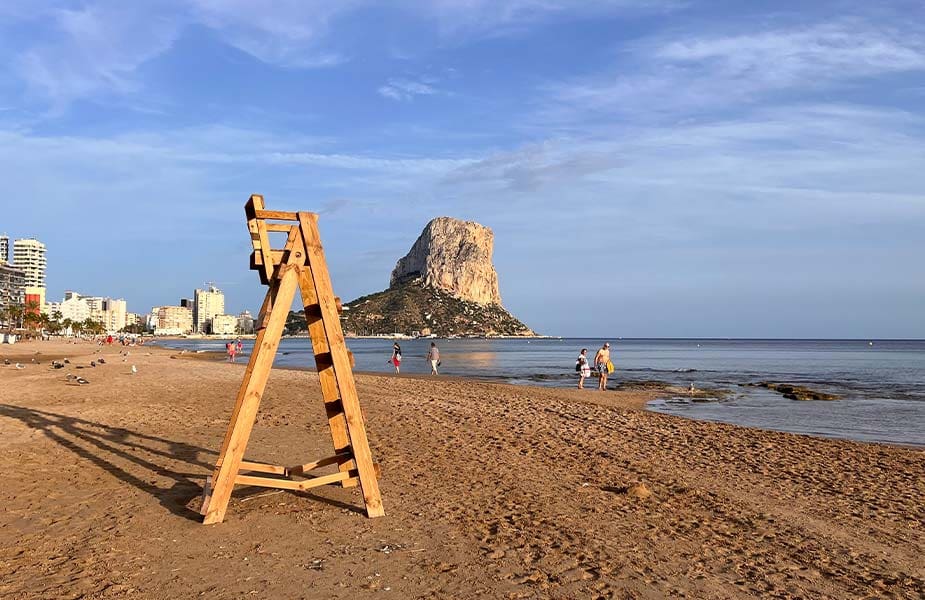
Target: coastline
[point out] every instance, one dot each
(490, 490)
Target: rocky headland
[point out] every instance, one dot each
(445, 286)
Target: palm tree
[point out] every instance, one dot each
(14, 313)
(67, 324)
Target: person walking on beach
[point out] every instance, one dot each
(239, 346)
(584, 368)
(230, 348)
(396, 357)
(434, 357)
(602, 364)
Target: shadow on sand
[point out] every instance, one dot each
(100, 444)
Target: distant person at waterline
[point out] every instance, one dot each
(433, 355)
(603, 365)
(583, 367)
(396, 357)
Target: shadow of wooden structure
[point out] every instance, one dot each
(299, 265)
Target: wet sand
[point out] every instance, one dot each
(490, 491)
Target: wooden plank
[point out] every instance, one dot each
(325, 367)
(279, 227)
(356, 430)
(337, 459)
(230, 460)
(253, 204)
(257, 258)
(265, 250)
(270, 482)
(260, 324)
(257, 467)
(277, 215)
(252, 361)
(325, 480)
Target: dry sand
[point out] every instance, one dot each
(490, 491)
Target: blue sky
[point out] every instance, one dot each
(649, 167)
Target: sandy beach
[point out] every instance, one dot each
(490, 491)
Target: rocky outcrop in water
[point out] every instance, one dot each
(794, 392)
(445, 286)
(453, 256)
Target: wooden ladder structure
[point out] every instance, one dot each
(301, 265)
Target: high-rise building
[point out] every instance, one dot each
(174, 320)
(113, 316)
(12, 286)
(29, 255)
(187, 303)
(4, 249)
(224, 324)
(208, 303)
(111, 313)
(245, 323)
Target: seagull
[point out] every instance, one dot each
(6, 361)
(92, 363)
(20, 366)
(134, 369)
(102, 361)
(82, 381)
(67, 362)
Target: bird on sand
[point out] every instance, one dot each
(20, 366)
(134, 369)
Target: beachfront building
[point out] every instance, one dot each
(29, 256)
(245, 323)
(207, 303)
(113, 316)
(34, 299)
(108, 311)
(151, 320)
(224, 325)
(174, 320)
(4, 249)
(12, 286)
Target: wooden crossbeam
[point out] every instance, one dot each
(299, 265)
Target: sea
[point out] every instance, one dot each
(881, 382)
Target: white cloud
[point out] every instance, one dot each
(406, 89)
(502, 16)
(689, 74)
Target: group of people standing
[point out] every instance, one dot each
(603, 366)
(233, 349)
(433, 357)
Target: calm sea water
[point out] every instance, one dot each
(883, 381)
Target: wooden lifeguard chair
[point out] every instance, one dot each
(300, 264)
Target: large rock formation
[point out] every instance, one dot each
(446, 285)
(453, 256)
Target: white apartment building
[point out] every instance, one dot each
(29, 256)
(174, 320)
(4, 250)
(207, 304)
(74, 307)
(224, 325)
(113, 317)
(111, 313)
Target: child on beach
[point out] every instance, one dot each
(584, 368)
(231, 349)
